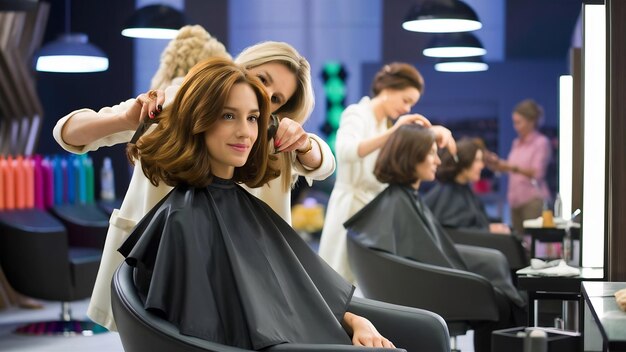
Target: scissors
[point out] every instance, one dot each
(272, 127)
(143, 127)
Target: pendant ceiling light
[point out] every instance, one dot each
(17, 5)
(438, 16)
(154, 22)
(71, 52)
(455, 45)
(462, 64)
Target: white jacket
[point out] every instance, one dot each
(143, 196)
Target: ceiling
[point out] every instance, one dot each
(514, 29)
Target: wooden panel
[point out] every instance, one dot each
(616, 75)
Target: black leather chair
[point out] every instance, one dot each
(509, 245)
(86, 224)
(39, 261)
(460, 297)
(409, 328)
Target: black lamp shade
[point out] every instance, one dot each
(17, 5)
(155, 21)
(459, 44)
(433, 16)
(71, 53)
(461, 64)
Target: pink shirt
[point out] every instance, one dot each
(533, 152)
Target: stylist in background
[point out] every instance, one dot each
(364, 129)
(527, 164)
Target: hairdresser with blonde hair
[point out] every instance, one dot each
(287, 80)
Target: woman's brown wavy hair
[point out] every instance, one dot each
(406, 147)
(176, 152)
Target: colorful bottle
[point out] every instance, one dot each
(20, 182)
(47, 168)
(72, 184)
(39, 188)
(2, 192)
(89, 180)
(82, 181)
(107, 181)
(57, 171)
(9, 185)
(29, 171)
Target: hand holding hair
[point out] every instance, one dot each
(413, 118)
(148, 105)
(290, 136)
(444, 139)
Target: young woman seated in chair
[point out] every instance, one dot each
(210, 257)
(397, 221)
(452, 201)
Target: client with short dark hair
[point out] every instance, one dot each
(452, 200)
(397, 221)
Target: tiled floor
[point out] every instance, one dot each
(13, 318)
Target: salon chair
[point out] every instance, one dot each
(462, 298)
(40, 261)
(409, 328)
(508, 244)
(86, 224)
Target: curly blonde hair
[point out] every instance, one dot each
(192, 45)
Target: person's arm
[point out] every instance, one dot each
(494, 163)
(363, 332)
(87, 126)
(538, 165)
(367, 146)
(327, 163)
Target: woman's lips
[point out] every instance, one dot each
(239, 147)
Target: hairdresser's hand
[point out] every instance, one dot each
(364, 333)
(444, 138)
(147, 105)
(412, 118)
(491, 160)
(620, 297)
(290, 136)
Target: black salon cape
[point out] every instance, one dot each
(398, 222)
(223, 266)
(456, 206)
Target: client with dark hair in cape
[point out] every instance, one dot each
(451, 200)
(213, 259)
(397, 221)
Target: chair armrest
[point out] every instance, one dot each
(141, 330)
(410, 328)
(509, 245)
(302, 347)
(456, 295)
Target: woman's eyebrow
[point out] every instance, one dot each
(235, 109)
